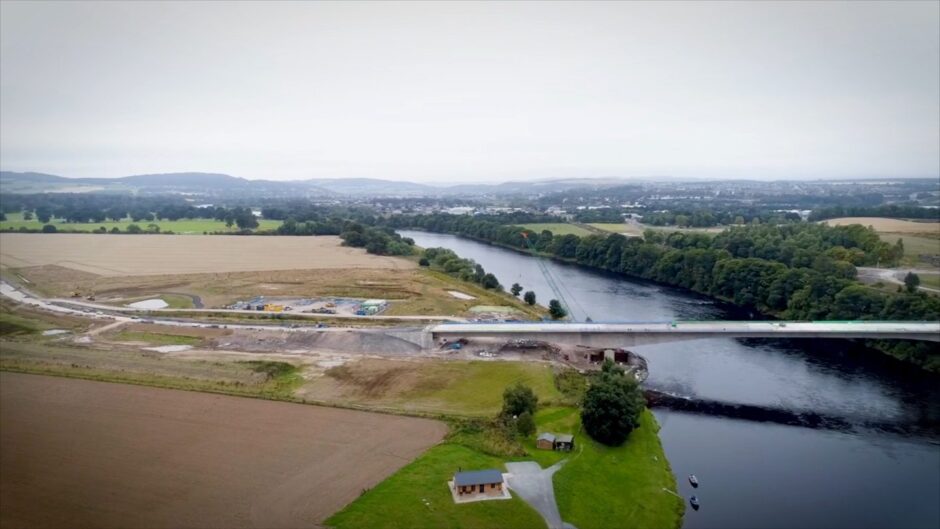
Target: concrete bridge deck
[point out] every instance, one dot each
(639, 333)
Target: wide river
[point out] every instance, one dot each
(755, 474)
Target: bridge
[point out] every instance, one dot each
(613, 335)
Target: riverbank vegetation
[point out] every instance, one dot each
(793, 271)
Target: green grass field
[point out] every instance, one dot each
(417, 496)
(191, 226)
(461, 388)
(599, 487)
(914, 247)
(557, 228)
(599, 484)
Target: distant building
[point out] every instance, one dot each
(479, 483)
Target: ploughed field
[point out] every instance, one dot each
(136, 255)
(77, 453)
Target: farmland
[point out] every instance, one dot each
(557, 228)
(217, 270)
(137, 255)
(186, 226)
(921, 239)
(883, 225)
(111, 455)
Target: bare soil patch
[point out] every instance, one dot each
(134, 255)
(88, 454)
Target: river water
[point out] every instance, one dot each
(755, 474)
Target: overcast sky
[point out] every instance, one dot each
(471, 92)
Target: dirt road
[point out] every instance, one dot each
(77, 453)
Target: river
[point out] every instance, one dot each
(755, 474)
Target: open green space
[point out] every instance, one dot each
(597, 484)
(919, 250)
(183, 226)
(557, 228)
(628, 483)
(417, 496)
(456, 387)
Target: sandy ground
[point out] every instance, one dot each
(77, 453)
(131, 255)
(888, 225)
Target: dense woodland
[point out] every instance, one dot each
(793, 271)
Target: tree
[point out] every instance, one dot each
(555, 310)
(516, 289)
(49, 228)
(489, 281)
(911, 282)
(525, 425)
(424, 262)
(612, 406)
(27, 215)
(529, 297)
(43, 214)
(518, 399)
(133, 228)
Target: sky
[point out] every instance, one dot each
(472, 92)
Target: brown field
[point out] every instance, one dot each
(89, 454)
(888, 225)
(137, 255)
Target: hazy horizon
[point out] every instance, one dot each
(472, 92)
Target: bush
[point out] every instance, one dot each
(424, 262)
(49, 228)
(525, 424)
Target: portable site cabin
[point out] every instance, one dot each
(373, 306)
(545, 441)
(479, 483)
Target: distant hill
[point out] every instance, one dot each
(373, 187)
(198, 183)
(219, 184)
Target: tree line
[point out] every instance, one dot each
(793, 271)
(891, 211)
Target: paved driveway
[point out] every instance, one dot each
(534, 485)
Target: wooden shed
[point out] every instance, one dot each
(564, 442)
(545, 441)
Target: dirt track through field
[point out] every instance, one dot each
(77, 453)
(134, 255)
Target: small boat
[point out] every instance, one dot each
(693, 480)
(694, 502)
